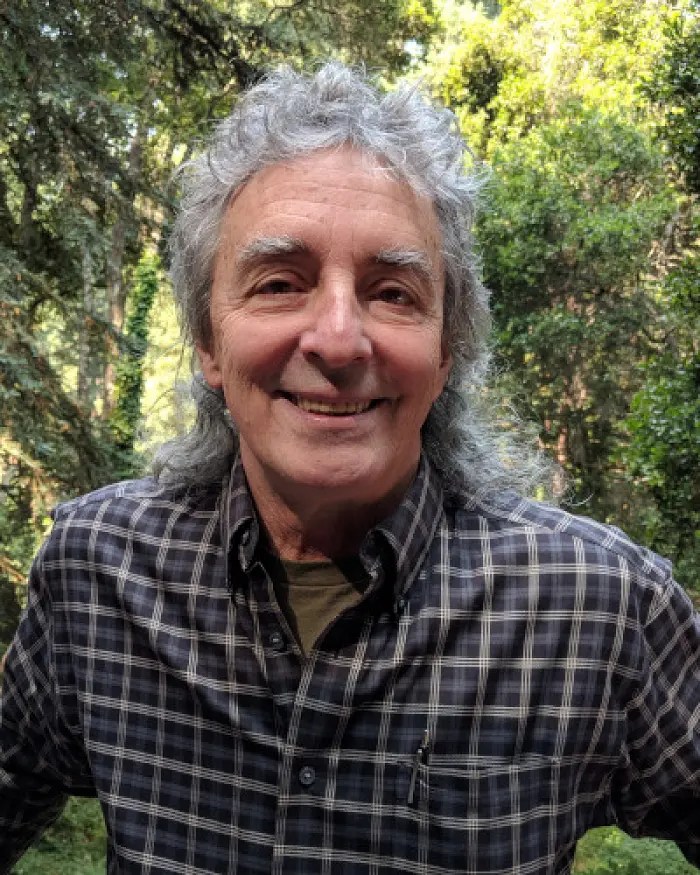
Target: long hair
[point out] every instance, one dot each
(288, 115)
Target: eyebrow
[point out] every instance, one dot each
(265, 247)
(414, 259)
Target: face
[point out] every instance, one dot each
(326, 314)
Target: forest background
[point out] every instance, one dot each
(587, 113)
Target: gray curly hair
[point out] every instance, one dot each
(288, 115)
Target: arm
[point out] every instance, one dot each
(660, 792)
(37, 770)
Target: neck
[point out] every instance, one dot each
(325, 535)
(306, 525)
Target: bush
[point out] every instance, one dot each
(609, 851)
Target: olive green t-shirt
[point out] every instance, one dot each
(312, 594)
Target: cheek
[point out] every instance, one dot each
(424, 379)
(244, 350)
(252, 363)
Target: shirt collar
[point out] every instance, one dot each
(392, 550)
(408, 532)
(240, 530)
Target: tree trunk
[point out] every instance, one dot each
(84, 337)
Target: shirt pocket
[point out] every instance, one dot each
(500, 816)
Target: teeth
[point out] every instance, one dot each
(332, 409)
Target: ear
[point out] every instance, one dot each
(443, 372)
(209, 362)
(445, 361)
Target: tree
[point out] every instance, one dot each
(575, 207)
(582, 215)
(674, 87)
(662, 455)
(92, 127)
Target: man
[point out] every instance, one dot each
(330, 636)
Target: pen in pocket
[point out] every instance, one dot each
(420, 756)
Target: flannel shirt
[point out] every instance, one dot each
(513, 676)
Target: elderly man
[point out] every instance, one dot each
(331, 636)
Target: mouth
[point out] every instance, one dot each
(325, 408)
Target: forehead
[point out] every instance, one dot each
(342, 197)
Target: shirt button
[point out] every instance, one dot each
(307, 776)
(276, 641)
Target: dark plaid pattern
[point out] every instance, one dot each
(550, 666)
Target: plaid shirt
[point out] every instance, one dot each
(513, 676)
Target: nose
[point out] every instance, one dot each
(337, 330)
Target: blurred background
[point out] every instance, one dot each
(587, 113)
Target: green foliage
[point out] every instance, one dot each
(575, 206)
(665, 424)
(674, 85)
(662, 456)
(75, 845)
(9, 613)
(573, 209)
(21, 531)
(506, 74)
(608, 851)
(662, 452)
(474, 65)
(168, 409)
(126, 415)
(577, 106)
(91, 129)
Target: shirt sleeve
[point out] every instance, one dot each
(37, 768)
(659, 793)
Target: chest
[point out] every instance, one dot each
(211, 728)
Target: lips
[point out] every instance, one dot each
(325, 408)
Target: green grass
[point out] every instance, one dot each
(75, 845)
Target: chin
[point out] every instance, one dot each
(332, 474)
(339, 481)
(358, 485)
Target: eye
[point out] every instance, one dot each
(394, 294)
(278, 286)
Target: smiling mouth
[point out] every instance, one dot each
(327, 409)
